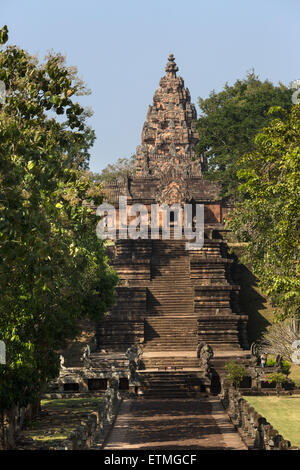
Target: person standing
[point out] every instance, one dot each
(263, 360)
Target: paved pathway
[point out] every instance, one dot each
(186, 424)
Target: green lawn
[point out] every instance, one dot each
(295, 374)
(283, 413)
(63, 416)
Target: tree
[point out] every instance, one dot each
(278, 340)
(267, 218)
(53, 269)
(236, 373)
(229, 123)
(123, 168)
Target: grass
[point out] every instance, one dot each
(77, 405)
(283, 413)
(63, 416)
(295, 374)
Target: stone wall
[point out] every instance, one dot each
(254, 428)
(92, 433)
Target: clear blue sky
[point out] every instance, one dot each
(121, 47)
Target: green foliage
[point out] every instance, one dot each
(120, 170)
(276, 377)
(53, 269)
(286, 367)
(270, 362)
(229, 123)
(268, 216)
(3, 35)
(236, 372)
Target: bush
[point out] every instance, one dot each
(236, 373)
(277, 377)
(271, 362)
(286, 367)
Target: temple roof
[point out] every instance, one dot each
(167, 168)
(169, 133)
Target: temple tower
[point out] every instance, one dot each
(170, 298)
(169, 130)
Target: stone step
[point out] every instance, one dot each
(170, 362)
(161, 301)
(170, 311)
(174, 285)
(174, 394)
(171, 341)
(170, 332)
(169, 377)
(171, 384)
(162, 328)
(165, 314)
(180, 307)
(160, 335)
(166, 347)
(174, 340)
(156, 301)
(178, 344)
(164, 291)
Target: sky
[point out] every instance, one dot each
(121, 48)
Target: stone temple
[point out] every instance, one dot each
(170, 299)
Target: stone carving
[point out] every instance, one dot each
(113, 384)
(171, 188)
(134, 354)
(255, 353)
(204, 354)
(61, 362)
(86, 356)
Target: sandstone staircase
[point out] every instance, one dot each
(170, 290)
(172, 369)
(171, 323)
(172, 384)
(170, 333)
(168, 295)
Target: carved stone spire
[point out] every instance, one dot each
(171, 67)
(169, 133)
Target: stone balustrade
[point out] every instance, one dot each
(92, 433)
(254, 428)
(87, 434)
